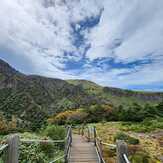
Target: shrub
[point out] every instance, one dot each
(77, 117)
(60, 118)
(140, 157)
(32, 154)
(127, 138)
(55, 132)
(48, 149)
(133, 141)
(67, 117)
(120, 136)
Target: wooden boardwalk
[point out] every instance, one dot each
(82, 151)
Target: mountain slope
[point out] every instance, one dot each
(119, 96)
(31, 96)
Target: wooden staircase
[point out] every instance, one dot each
(82, 151)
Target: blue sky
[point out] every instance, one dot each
(116, 43)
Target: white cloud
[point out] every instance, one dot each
(137, 25)
(41, 30)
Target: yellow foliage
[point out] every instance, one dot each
(3, 124)
(13, 123)
(6, 126)
(67, 116)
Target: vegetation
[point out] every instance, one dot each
(55, 132)
(143, 147)
(145, 126)
(98, 113)
(7, 127)
(126, 138)
(31, 99)
(42, 152)
(34, 106)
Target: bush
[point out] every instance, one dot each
(48, 149)
(32, 154)
(140, 157)
(127, 138)
(55, 132)
(133, 141)
(69, 117)
(120, 136)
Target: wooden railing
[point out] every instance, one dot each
(10, 149)
(90, 133)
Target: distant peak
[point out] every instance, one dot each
(6, 68)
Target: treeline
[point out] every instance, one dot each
(99, 113)
(89, 114)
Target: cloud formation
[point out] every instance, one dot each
(116, 43)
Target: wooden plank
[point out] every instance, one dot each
(82, 151)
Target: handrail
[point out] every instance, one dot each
(57, 159)
(68, 142)
(109, 145)
(126, 158)
(13, 144)
(98, 143)
(3, 147)
(41, 141)
(99, 151)
(92, 136)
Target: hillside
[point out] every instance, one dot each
(30, 96)
(118, 96)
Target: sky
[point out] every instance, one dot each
(116, 43)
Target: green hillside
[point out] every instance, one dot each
(118, 96)
(33, 98)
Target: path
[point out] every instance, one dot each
(82, 151)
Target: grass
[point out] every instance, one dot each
(147, 125)
(147, 151)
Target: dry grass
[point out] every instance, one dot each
(150, 143)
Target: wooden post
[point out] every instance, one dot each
(95, 135)
(88, 135)
(101, 149)
(79, 130)
(70, 136)
(82, 130)
(12, 155)
(121, 150)
(65, 151)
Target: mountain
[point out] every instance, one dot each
(33, 98)
(119, 96)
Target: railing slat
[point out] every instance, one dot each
(41, 141)
(57, 159)
(3, 147)
(126, 158)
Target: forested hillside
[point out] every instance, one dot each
(32, 99)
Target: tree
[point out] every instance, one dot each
(3, 124)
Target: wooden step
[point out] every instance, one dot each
(82, 151)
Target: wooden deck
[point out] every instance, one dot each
(82, 151)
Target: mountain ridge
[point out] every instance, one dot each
(32, 96)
